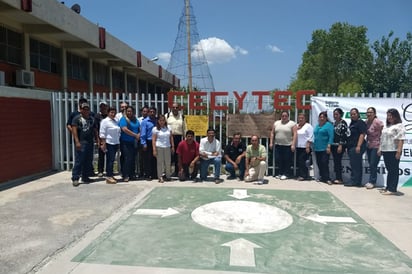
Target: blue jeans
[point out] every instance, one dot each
(129, 153)
(229, 168)
(204, 165)
(82, 161)
(110, 156)
(373, 160)
(355, 160)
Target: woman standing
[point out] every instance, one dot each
(129, 139)
(340, 138)
(303, 148)
(392, 138)
(110, 138)
(163, 146)
(356, 147)
(374, 128)
(283, 135)
(323, 139)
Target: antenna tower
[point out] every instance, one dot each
(188, 61)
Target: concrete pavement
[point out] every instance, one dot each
(46, 222)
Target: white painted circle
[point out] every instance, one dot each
(242, 217)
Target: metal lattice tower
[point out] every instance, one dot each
(188, 61)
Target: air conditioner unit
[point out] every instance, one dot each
(25, 78)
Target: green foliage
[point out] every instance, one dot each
(391, 70)
(335, 60)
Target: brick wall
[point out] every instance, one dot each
(25, 137)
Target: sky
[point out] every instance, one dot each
(250, 45)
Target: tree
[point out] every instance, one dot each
(335, 61)
(391, 70)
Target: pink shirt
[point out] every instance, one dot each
(373, 133)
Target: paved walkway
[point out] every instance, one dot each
(48, 226)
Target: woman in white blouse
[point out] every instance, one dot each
(110, 139)
(303, 147)
(163, 147)
(392, 138)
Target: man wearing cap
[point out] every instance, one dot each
(98, 118)
(84, 133)
(72, 115)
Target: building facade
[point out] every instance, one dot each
(47, 47)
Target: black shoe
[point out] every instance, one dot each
(87, 180)
(352, 185)
(218, 181)
(231, 178)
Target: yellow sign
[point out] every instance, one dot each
(198, 123)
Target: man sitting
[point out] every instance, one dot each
(188, 157)
(235, 154)
(209, 152)
(255, 161)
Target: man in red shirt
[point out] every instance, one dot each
(188, 157)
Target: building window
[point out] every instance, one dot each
(131, 84)
(11, 46)
(44, 56)
(101, 74)
(118, 81)
(77, 67)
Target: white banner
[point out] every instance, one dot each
(404, 106)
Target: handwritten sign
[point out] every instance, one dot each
(198, 123)
(250, 124)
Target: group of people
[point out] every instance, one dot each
(371, 136)
(159, 141)
(146, 143)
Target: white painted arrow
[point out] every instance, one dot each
(242, 252)
(329, 219)
(156, 212)
(239, 194)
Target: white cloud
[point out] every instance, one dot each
(217, 50)
(274, 49)
(241, 51)
(164, 57)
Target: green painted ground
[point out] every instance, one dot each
(303, 247)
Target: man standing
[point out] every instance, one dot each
(235, 154)
(122, 112)
(188, 157)
(255, 161)
(73, 115)
(176, 121)
(210, 153)
(149, 162)
(139, 159)
(84, 133)
(119, 115)
(98, 118)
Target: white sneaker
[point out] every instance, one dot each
(277, 177)
(283, 177)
